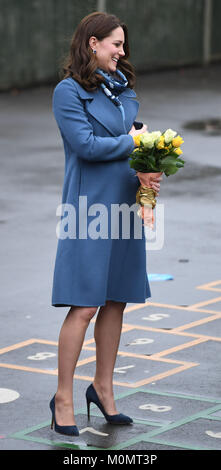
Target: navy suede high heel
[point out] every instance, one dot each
(91, 396)
(67, 430)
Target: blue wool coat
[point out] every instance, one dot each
(96, 260)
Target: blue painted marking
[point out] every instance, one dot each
(160, 277)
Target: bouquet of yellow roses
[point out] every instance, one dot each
(156, 153)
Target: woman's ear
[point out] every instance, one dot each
(93, 42)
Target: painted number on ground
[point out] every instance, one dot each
(156, 316)
(154, 407)
(122, 370)
(217, 435)
(93, 431)
(141, 341)
(41, 356)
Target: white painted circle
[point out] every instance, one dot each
(7, 395)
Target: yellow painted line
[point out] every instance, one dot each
(205, 302)
(157, 359)
(136, 307)
(210, 286)
(209, 338)
(214, 289)
(160, 330)
(154, 378)
(124, 327)
(182, 365)
(88, 341)
(198, 339)
(83, 377)
(16, 346)
(44, 371)
(153, 304)
(90, 379)
(170, 306)
(86, 361)
(154, 357)
(40, 341)
(197, 323)
(27, 343)
(203, 310)
(45, 341)
(157, 377)
(29, 369)
(180, 331)
(180, 347)
(200, 335)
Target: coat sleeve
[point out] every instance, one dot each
(75, 127)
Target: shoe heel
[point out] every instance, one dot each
(67, 430)
(92, 396)
(88, 409)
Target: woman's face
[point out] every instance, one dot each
(109, 50)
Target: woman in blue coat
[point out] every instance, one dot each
(101, 259)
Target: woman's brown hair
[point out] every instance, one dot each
(81, 62)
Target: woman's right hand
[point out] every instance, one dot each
(135, 132)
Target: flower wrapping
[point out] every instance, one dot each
(145, 197)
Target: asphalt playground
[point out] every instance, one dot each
(168, 369)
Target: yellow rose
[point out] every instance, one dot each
(137, 140)
(177, 141)
(160, 144)
(178, 151)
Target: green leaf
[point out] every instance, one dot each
(171, 170)
(179, 165)
(169, 159)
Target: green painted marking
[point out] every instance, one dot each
(206, 413)
(181, 422)
(179, 395)
(147, 422)
(149, 436)
(135, 441)
(16, 435)
(212, 418)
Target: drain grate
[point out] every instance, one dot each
(210, 126)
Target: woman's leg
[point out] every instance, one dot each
(71, 339)
(107, 334)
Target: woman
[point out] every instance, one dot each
(95, 110)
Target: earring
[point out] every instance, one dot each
(94, 51)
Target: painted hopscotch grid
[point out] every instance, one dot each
(174, 366)
(159, 435)
(153, 436)
(181, 330)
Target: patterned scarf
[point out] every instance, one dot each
(113, 87)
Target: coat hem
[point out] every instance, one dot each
(77, 304)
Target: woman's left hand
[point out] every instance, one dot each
(151, 180)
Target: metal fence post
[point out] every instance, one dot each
(101, 5)
(207, 31)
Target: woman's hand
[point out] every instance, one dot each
(151, 180)
(135, 132)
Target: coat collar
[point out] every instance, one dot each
(85, 95)
(106, 112)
